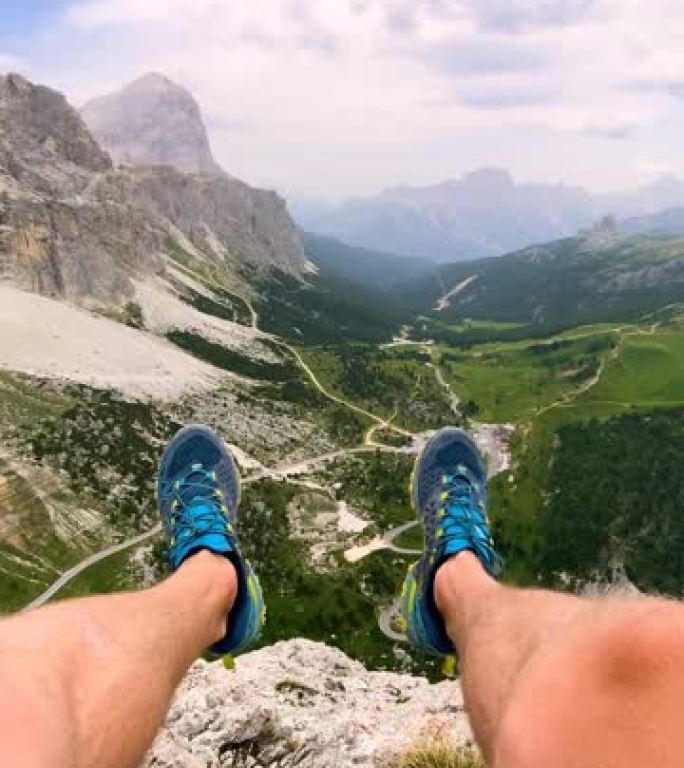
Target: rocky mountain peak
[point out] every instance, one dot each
(73, 226)
(38, 126)
(152, 121)
(155, 81)
(488, 178)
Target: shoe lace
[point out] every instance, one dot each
(196, 505)
(463, 515)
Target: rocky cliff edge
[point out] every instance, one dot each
(300, 703)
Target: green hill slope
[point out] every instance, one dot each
(599, 276)
(383, 271)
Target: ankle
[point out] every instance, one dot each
(458, 581)
(216, 582)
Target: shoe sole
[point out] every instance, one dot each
(202, 429)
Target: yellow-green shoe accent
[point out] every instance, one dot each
(449, 495)
(198, 492)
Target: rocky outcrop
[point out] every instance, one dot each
(154, 127)
(39, 130)
(152, 121)
(72, 225)
(224, 218)
(55, 238)
(303, 704)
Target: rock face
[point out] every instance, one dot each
(152, 121)
(303, 704)
(72, 225)
(55, 238)
(40, 128)
(226, 220)
(155, 126)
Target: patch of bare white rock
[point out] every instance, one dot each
(48, 338)
(164, 311)
(304, 704)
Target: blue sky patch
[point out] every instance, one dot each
(27, 17)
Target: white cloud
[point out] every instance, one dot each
(347, 95)
(516, 15)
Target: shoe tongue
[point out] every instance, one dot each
(461, 472)
(201, 505)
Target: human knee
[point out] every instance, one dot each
(638, 644)
(580, 679)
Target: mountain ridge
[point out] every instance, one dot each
(484, 213)
(600, 275)
(73, 225)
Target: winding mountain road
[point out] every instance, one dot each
(339, 400)
(278, 473)
(73, 572)
(284, 472)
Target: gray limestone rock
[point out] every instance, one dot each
(55, 238)
(39, 128)
(72, 225)
(152, 121)
(224, 218)
(300, 703)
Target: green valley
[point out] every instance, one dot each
(328, 399)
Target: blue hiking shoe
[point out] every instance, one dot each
(198, 492)
(449, 495)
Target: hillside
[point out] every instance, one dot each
(598, 276)
(376, 269)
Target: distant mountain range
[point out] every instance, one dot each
(486, 213)
(599, 275)
(667, 222)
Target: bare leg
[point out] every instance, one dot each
(86, 683)
(557, 680)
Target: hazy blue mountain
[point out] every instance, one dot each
(667, 222)
(483, 214)
(152, 121)
(665, 192)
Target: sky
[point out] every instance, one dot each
(333, 98)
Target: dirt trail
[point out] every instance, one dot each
(624, 332)
(286, 471)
